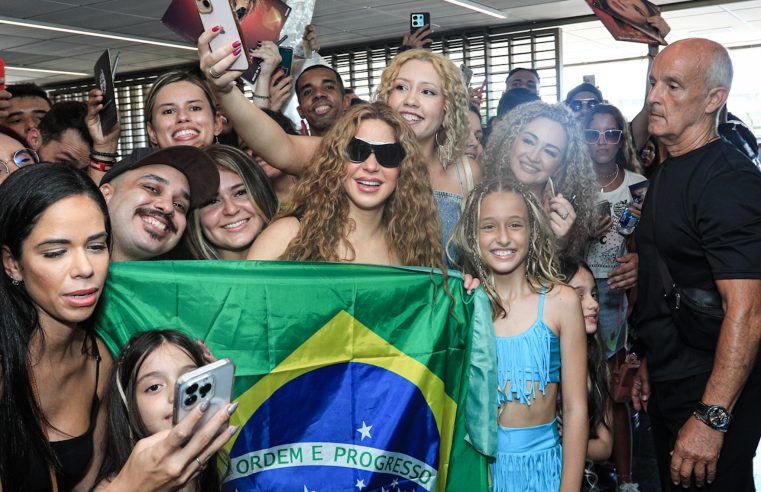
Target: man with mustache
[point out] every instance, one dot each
(701, 226)
(320, 92)
(149, 195)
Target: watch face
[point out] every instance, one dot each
(717, 416)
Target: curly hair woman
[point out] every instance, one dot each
(543, 148)
(424, 87)
(364, 198)
(427, 89)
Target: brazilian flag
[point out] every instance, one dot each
(349, 377)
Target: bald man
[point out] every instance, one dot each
(701, 227)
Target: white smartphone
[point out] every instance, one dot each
(219, 13)
(212, 382)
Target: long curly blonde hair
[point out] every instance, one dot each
(575, 179)
(542, 263)
(320, 201)
(452, 137)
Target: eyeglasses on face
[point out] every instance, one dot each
(609, 136)
(388, 155)
(20, 158)
(577, 104)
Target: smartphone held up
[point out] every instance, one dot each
(211, 383)
(219, 14)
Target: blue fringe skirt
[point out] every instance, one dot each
(529, 459)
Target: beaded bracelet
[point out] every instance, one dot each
(266, 98)
(113, 155)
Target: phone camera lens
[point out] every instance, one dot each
(190, 400)
(206, 3)
(191, 389)
(205, 389)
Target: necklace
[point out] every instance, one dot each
(615, 176)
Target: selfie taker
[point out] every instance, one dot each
(698, 239)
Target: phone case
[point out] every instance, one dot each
(418, 20)
(219, 13)
(212, 382)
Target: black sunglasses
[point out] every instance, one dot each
(388, 155)
(610, 136)
(577, 104)
(21, 158)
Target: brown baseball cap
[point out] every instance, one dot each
(199, 169)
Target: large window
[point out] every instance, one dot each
(492, 51)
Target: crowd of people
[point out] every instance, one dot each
(544, 208)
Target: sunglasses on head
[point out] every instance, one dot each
(577, 104)
(21, 158)
(388, 155)
(609, 136)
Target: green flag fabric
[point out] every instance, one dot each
(348, 377)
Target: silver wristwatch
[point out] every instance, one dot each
(714, 416)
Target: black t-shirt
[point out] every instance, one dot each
(708, 227)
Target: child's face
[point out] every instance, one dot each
(584, 285)
(504, 232)
(155, 385)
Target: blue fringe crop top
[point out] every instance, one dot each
(526, 359)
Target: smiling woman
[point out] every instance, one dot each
(180, 110)
(542, 146)
(225, 227)
(364, 198)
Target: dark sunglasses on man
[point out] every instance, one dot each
(388, 155)
(577, 104)
(609, 136)
(20, 158)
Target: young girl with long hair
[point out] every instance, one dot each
(614, 266)
(140, 402)
(578, 275)
(365, 198)
(542, 147)
(504, 239)
(226, 227)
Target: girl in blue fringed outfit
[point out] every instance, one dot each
(504, 238)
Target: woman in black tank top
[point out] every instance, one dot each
(54, 232)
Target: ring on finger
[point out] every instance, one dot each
(213, 73)
(201, 464)
(564, 216)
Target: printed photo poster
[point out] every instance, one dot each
(626, 20)
(259, 20)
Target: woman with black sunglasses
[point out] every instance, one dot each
(365, 197)
(613, 265)
(14, 152)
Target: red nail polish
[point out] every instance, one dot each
(236, 52)
(236, 44)
(216, 28)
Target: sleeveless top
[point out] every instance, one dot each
(74, 455)
(523, 360)
(450, 208)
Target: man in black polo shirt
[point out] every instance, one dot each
(703, 216)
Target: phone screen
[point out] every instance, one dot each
(287, 60)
